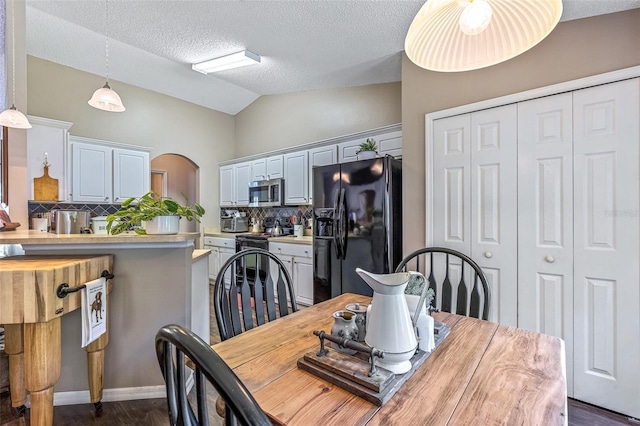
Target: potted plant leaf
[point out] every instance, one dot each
(152, 214)
(368, 149)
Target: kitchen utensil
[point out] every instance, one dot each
(45, 188)
(389, 325)
(277, 229)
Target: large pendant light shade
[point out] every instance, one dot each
(463, 35)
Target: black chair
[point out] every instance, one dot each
(438, 274)
(251, 278)
(240, 407)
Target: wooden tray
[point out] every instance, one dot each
(350, 371)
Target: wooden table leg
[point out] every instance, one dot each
(14, 347)
(42, 351)
(95, 364)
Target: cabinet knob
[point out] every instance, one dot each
(548, 258)
(488, 254)
(106, 198)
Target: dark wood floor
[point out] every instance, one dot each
(154, 411)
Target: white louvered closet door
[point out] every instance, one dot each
(606, 246)
(474, 199)
(545, 225)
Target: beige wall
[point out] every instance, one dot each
(575, 49)
(280, 121)
(163, 123)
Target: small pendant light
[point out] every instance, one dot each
(12, 117)
(105, 98)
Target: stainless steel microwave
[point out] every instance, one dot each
(266, 193)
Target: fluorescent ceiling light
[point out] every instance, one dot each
(234, 60)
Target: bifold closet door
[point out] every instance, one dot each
(474, 199)
(545, 219)
(607, 246)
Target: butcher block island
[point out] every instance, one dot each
(31, 306)
(152, 287)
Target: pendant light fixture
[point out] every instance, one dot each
(12, 117)
(463, 35)
(105, 98)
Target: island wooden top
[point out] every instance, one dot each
(483, 373)
(29, 237)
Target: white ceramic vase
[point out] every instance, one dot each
(165, 225)
(366, 155)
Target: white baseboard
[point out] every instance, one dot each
(110, 395)
(118, 394)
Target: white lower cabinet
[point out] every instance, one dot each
(221, 250)
(576, 197)
(298, 261)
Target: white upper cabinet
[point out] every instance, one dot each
(267, 168)
(92, 169)
(389, 143)
(227, 186)
(131, 174)
(234, 184)
(50, 137)
(104, 172)
(296, 178)
(243, 178)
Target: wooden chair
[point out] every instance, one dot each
(246, 289)
(240, 407)
(451, 271)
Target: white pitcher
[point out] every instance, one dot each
(389, 324)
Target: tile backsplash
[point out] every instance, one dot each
(278, 212)
(39, 209)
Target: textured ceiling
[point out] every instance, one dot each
(304, 44)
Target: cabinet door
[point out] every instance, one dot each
(389, 143)
(227, 185)
(243, 178)
(275, 167)
(214, 262)
(91, 173)
(347, 150)
(288, 264)
(606, 249)
(131, 175)
(303, 279)
(296, 178)
(224, 255)
(259, 169)
(545, 212)
(322, 156)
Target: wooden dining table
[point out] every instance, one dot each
(483, 373)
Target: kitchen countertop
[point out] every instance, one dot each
(26, 237)
(198, 253)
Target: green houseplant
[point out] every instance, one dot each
(367, 149)
(147, 208)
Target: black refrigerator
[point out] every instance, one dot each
(357, 213)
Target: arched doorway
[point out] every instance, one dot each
(176, 176)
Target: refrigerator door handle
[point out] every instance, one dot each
(336, 224)
(344, 223)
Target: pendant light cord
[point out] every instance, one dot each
(13, 51)
(106, 36)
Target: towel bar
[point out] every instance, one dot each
(63, 289)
